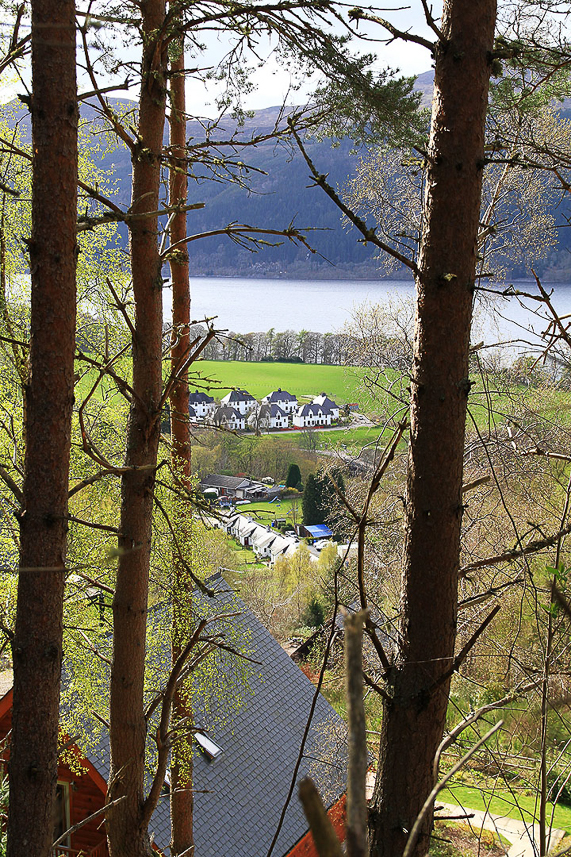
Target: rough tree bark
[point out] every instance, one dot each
(182, 800)
(127, 822)
(37, 646)
(418, 682)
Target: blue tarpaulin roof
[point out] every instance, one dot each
(319, 531)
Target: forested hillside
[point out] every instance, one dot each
(280, 192)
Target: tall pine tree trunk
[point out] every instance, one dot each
(182, 801)
(37, 647)
(414, 719)
(127, 822)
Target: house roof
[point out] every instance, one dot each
(325, 401)
(313, 409)
(240, 794)
(197, 398)
(218, 481)
(227, 413)
(280, 395)
(319, 531)
(238, 396)
(271, 410)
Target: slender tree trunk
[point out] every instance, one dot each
(414, 719)
(37, 647)
(182, 800)
(127, 822)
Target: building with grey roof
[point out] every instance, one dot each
(245, 760)
(286, 401)
(202, 404)
(230, 418)
(241, 400)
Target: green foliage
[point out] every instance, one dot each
(310, 503)
(372, 108)
(314, 615)
(293, 477)
(320, 497)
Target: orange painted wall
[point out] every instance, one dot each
(87, 790)
(306, 846)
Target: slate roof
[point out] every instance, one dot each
(241, 793)
(218, 481)
(280, 395)
(227, 413)
(239, 796)
(325, 402)
(313, 410)
(272, 411)
(197, 398)
(238, 396)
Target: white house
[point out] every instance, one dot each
(240, 400)
(268, 417)
(278, 547)
(244, 530)
(327, 404)
(284, 400)
(309, 416)
(262, 541)
(202, 405)
(229, 418)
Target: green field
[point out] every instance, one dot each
(351, 438)
(341, 383)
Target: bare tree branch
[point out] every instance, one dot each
(369, 235)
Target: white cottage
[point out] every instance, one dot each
(240, 400)
(284, 400)
(328, 405)
(310, 416)
(202, 405)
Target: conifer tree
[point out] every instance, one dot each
(293, 477)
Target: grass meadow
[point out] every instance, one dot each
(341, 383)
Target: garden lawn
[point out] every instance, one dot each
(267, 512)
(503, 802)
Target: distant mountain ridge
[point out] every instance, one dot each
(279, 194)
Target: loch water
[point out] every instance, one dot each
(245, 305)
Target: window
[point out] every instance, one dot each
(210, 749)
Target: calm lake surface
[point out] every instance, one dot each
(245, 305)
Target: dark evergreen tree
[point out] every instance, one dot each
(319, 497)
(309, 505)
(293, 478)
